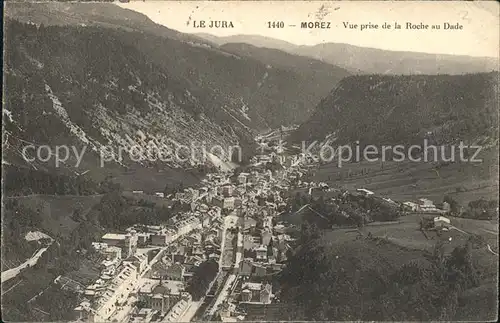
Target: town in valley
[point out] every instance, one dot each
(121, 203)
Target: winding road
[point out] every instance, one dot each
(13, 272)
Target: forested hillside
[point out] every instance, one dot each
(19, 181)
(85, 86)
(381, 109)
(371, 279)
(253, 93)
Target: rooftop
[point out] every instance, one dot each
(114, 236)
(364, 190)
(252, 286)
(148, 284)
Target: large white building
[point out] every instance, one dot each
(425, 204)
(413, 207)
(364, 191)
(441, 221)
(127, 242)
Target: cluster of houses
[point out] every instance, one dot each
(421, 206)
(145, 269)
(262, 242)
(424, 205)
(127, 278)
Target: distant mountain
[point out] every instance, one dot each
(315, 77)
(372, 60)
(363, 60)
(255, 40)
(278, 58)
(383, 109)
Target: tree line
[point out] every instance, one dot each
(481, 209)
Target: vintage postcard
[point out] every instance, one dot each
(178, 161)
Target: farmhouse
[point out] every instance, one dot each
(441, 221)
(446, 207)
(364, 192)
(412, 207)
(425, 204)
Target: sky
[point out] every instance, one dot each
(479, 36)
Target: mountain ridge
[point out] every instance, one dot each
(407, 108)
(367, 60)
(132, 75)
(261, 97)
(63, 89)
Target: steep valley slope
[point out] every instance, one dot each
(259, 95)
(383, 109)
(92, 75)
(434, 110)
(86, 88)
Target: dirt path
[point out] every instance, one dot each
(490, 250)
(488, 247)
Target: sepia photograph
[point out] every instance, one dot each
(227, 161)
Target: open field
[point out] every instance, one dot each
(154, 180)
(411, 180)
(487, 229)
(158, 201)
(406, 234)
(387, 255)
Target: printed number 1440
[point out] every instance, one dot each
(275, 24)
